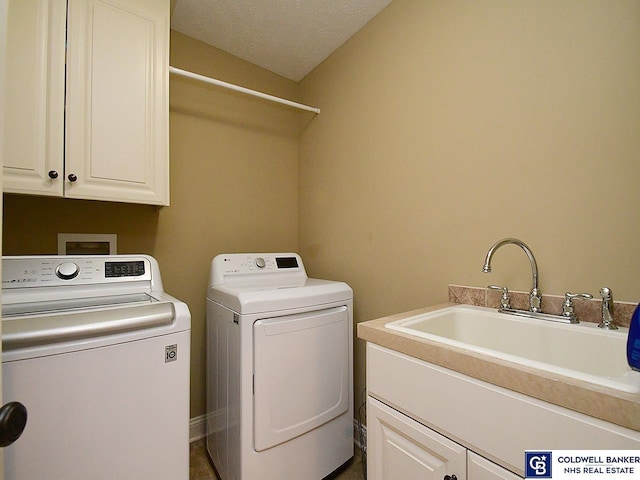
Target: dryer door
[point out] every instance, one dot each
(301, 369)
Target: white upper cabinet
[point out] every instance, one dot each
(34, 100)
(117, 100)
(114, 118)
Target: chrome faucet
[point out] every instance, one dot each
(535, 297)
(607, 321)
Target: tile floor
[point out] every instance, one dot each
(200, 467)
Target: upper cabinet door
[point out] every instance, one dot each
(34, 100)
(117, 101)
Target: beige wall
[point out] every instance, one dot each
(234, 187)
(446, 126)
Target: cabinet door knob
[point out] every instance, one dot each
(450, 477)
(53, 174)
(72, 177)
(13, 419)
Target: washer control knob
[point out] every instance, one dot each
(260, 263)
(67, 270)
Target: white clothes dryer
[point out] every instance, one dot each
(279, 369)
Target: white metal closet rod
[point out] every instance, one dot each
(240, 89)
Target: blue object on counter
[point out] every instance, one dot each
(633, 341)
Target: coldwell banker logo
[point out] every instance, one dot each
(537, 464)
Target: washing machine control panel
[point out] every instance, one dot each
(22, 272)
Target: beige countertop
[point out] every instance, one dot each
(607, 404)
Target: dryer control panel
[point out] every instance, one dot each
(236, 267)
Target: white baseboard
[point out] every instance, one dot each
(197, 430)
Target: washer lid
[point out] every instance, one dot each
(68, 326)
(269, 298)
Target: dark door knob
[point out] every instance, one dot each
(13, 419)
(53, 174)
(450, 477)
(72, 177)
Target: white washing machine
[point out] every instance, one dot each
(279, 369)
(99, 355)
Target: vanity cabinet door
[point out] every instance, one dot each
(479, 468)
(400, 447)
(34, 100)
(117, 101)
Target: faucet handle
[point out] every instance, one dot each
(504, 299)
(607, 322)
(567, 305)
(570, 296)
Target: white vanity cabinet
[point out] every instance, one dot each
(422, 419)
(479, 468)
(90, 120)
(400, 447)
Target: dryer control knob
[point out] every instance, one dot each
(260, 263)
(67, 270)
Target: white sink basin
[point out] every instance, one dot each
(581, 351)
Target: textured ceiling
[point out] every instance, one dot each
(288, 37)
